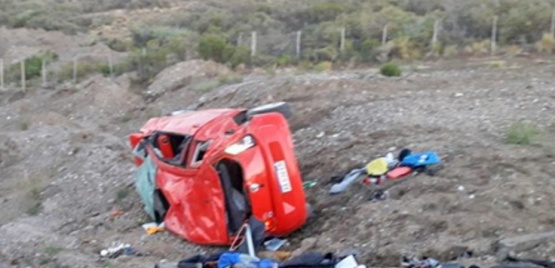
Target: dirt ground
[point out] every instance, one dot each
(66, 164)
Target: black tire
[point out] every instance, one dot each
(279, 107)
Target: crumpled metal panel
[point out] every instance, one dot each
(197, 210)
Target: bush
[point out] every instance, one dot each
(84, 69)
(283, 60)
(478, 48)
(229, 79)
(405, 48)
(546, 44)
(213, 47)
(368, 49)
(33, 66)
(522, 134)
(390, 69)
(324, 66)
(239, 56)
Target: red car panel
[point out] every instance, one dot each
(195, 194)
(272, 133)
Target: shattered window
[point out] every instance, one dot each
(200, 151)
(169, 147)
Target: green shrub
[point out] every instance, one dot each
(22, 18)
(84, 69)
(241, 55)
(390, 69)
(213, 47)
(328, 53)
(324, 66)
(368, 48)
(230, 79)
(522, 133)
(305, 65)
(283, 60)
(33, 66)
(142, 35)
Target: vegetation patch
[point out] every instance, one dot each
(522, 133)
(390, 70)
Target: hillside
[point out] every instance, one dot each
(67, 173)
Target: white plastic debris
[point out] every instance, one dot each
(461, 188)
(348, 262)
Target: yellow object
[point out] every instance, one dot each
(377, 167)
(152, 228)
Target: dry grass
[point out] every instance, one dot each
(33, 189)
(522, 134)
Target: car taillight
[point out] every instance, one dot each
(270, 224)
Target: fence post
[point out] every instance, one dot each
(253, 44)
(43, 73)
(75, 70)
(110, 64)
(384, 36)
(240, 39)
(436, 32)
(553, 24)
(23, 86)
(494, 36)
(342, 44)
(298, 45)
(2, 74)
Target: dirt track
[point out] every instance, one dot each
(67, 149)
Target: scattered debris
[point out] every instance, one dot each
(348, 262)
(152, 227)
(379, 195)
(309, 184)
(379, 170)
(118, 250)
(117, 213)
(351, 177)
(230, 260)
(274, 244)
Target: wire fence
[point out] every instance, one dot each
(330, 44)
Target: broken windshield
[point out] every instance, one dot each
(169, 147)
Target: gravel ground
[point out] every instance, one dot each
(66, 164)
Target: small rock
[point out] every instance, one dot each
(460, 188)
(522, 243)
(459, 95)
(306, 245)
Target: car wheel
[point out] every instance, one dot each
(279, 107)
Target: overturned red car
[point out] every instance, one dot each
(203, 173)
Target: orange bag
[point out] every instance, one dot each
(398, 172)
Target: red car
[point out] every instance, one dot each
(203, 173)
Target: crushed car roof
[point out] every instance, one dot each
(186, 123)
